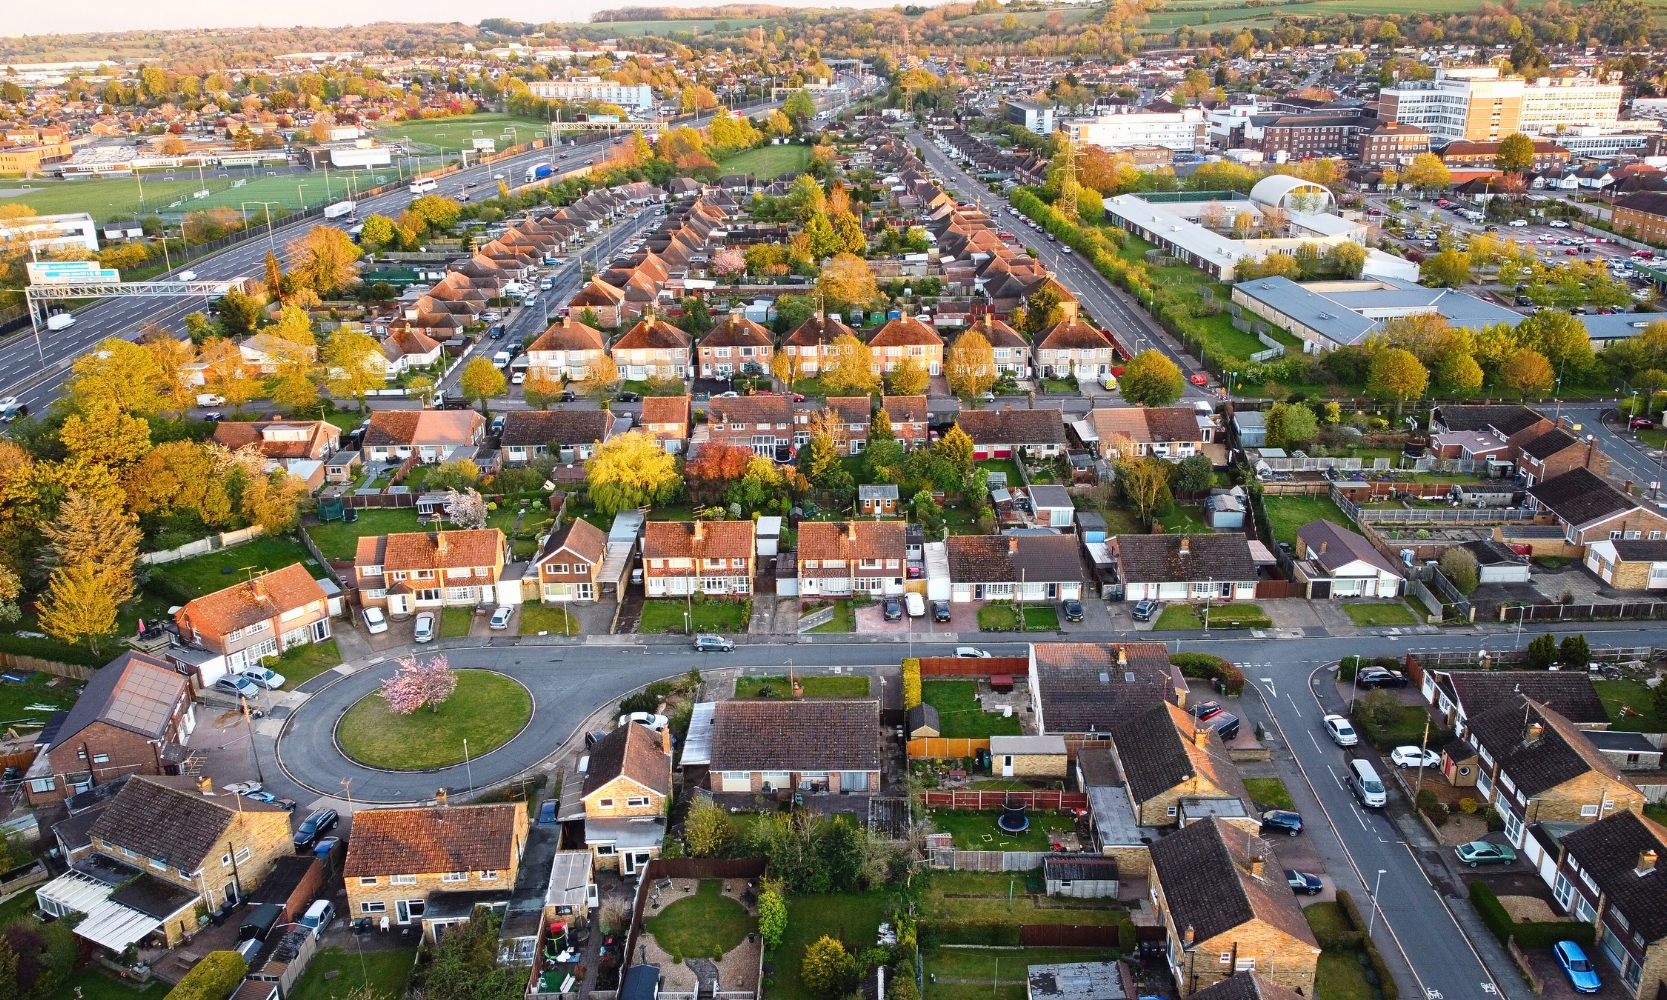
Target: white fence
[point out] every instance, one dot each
(1303, 463)
(986, 861)
(821, 616)
(225, 540)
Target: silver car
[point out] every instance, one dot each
(425, 627)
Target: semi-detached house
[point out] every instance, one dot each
(569, 435)
(1609, 876)
(246, 622)
(704, 557)
(906, 339)
(733, 345)
(418, 570)
(1588, 509)
(401, 862)
(652, 349)
(762, 424)
(856, 557)
(431, 435)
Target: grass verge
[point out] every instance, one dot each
(1366, 615)
(1189, 617)
(1269, 792)
(814, 687)
(487, 709)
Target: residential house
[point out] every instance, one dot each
(810, 346)
(1459, 694)
(1170, 432)
(909, 419)
(1557, 451)
(408, 349)
(431, 435)
(626, 786)
(567, 435)
(1536, 767)
(762, 424)
(667, 418)
(851, 416)
(706, 557)
(652, 349)
(1002, 433)
(135, 716)
(1484, 430)
(1334, 562)
(1221, 896)
(420, 570)
(1640, 564)
(1072, 348)
(247, 622)
(736, 346)
(399, 861)
(569, 561)
(281, 439)
(1607, 876)
(565, 351)
(1082, 690)
(906, 339)
(1010, 352)
(855, 557)
(190, 850)
(807, 746)
(265, 353)
(1201, 567)
(1178, 772)
(1588, 509)
(1013, 568)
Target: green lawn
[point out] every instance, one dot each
(455, 622)
(1635, 699)
(1341, 977)
(985, 895)
(1269, 792)
(94, 982)
(222, 568)
(844, 619)
(454, 133)
(487, 709)
(959, 716)
(977, 831)
(536, 618)
(1396, 613)
(1288, 513)
(814, 687)
(1041, 616)
(340, 540)
(118, 197)
(1184, 520)
(666, 615)
(998, 618)
(16, 699)
(300, 664)
(382, 972)
(704, 925)
(1001, 974)
(1326, 918)
(767, 161)
(1407, 729)
(855, 918)
(1189, 616)
(1003, 465)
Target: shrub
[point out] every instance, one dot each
(828, 971)
(1468, 806)
(1212, 668)
(1351, 912)
(214, 978)
(1542, 652)
(1574, 652)
(1379, 707)
(1437, 813)
(1529, 934)
(911, 683)
(1459, 566)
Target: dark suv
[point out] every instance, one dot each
(1144, 610)
(940, 611)
(1379, 677)
(314, 827)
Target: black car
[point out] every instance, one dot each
(940, 611)
(1226, 726)
(1073, 610)
(1144, 611)
(567, 396)
(1303, 882)
(1206, 710)
(893, 609)
(1281, 821)
(287, 805)
(1379, 677)
(314, 827)
(628, 397)
(496, 332)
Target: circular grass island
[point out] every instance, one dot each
(488, 709)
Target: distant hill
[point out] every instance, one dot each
(693, 13)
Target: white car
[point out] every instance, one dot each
(1340, 731)
(649, 719)
(518, 378)
(425, 626)
(970, 653)
(242, 787)
(1518, 223)
(1414, 757)
(1558, 224)
(186, 276)
(375, 620)
(915, 604)
(271, 680)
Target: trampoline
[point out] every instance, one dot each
(1013, 818)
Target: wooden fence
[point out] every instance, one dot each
(949, 666)
(1068, 935)
(214, 542)
(985, 861)
(938, 746)
(74, 671)
(1581, 612)
(1036, 798)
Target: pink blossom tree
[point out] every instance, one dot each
(729, 262)
(418, 683)
(466, 510)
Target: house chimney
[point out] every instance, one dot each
(1323, 544)
(205, 784)
(1012, 544)
(566, 321)
(665, 740)
(1258, 867)
(700, 530)
(1122, 656)
(1533, 734)
(851, 531)
(257, 586)
(1186, 545)
(1188, 936)
(440, 798)
(1646, 861)
(1201, 737)
(440, 542)
(1591, 450)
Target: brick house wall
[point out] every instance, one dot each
(1646, 225)
(1132, 862)
(1566, 802)
(1281, 958)
(1163, 809)
(243, 854)
(1038, 765)
(128, 753)
(383, 892)
(1640, 520)
(569, 586)
(1631, 576)
(756, 779)
(613, 800)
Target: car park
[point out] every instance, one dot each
(1303, 882)
(425, 627)
(315, 826)
(1481, 852)
(1071, 609)
(1281, 821)
(713, 644)
(1144, 610)
(1411, 756)
(375, 620)
(1583, 975)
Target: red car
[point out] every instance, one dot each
(1200, 379)
(1572, 252)
(1638, 422)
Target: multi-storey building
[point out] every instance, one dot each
(1302, 137)
(1477, 104)
(594, 88)
(1184, 130)
(1391, 144)
(857, 557)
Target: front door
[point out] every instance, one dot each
(633, 861)
(230, 893)
(402, 911)
(1007, 765)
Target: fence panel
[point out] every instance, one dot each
(74, 671)
(1037, 798)
(949, 666)
(938, 746)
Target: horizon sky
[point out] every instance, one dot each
(175, 15)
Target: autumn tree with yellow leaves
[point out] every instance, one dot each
(629, 471)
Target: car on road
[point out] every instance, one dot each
(497, 177)
(315, 826)
(713, 644)
(940, 611)
(629, 397)
(1066, 249)
(500, 617)
(1281, 821)
(1638, 422)
(1583, 975)
(1072, 610)
(1144, 610)
(970, 653)
(375, 620)
(893, 609)
(1410, 756)
(186, 276)
(1303, 882)
(236, 685)
(1340, 731)
(425, 627)
(1380, 677)
(259, 676)
(1481, 852)
(1199, 379)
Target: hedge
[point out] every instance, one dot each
(216, 977)
(1212, 668)
(1390, 989)
(1529, 934)
(933, 933)
(911, 683)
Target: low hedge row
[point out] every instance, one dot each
(1212, 668)
(1529, 934)
(1390, 989)
(933, 933)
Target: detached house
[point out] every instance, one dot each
(1001, 433)
(761, 424)
(1588, 509)
(1336, 562)
(431, 435)
(856, 557)
(565, 351)
(652, 349)
(625, 791)
(1168, 432)
(134, 717)
(418, 570)
(569, 562)
(909, 419)
(568, 435)
(246, 622)
(1609, 876)
(281, 439)
(1178, 772)
(403, 863)
(906, 339)
(1221, 896)
(705, 557)
(1216, 567)
(1073, 348)
(667, 418)
(1014, 567)
(812, 745)
(736, 346)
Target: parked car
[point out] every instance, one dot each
(914, 604)
(893, 609)
(629, 397)
(242, 787)
(1206, 710)
(1303, 882)
(1380, 677)
(318, 917)
(1340, 731)
(1281, 821)
(1144, 610)
(1583, 975)
(326, 846)
(940, 611)
(1638, 422)
(1481, 852)
(236, 685)
(500, 617)
(1226, 726)
(970, 653)
(713, 644)
(262, 677)
(1072, 609)
(375, 620)
(1414, 756)
(425, 627)
(315, 826)
(287, 805)
(649, 719)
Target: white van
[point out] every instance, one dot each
(500, 359)
(915, 604)
(1365, 783)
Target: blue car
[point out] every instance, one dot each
(1281, 821)
(547, 813)
(1581, 972)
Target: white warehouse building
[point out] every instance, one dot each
(594, 88)
(51, 233)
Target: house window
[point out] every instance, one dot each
(1245, 965)
(1588, 812)
(637, 800)
(101, 758)
(367, 880)
(1171, 811)
(490, 875)
(242, 855)
(402, 879)
(1226, 958)
(373, 906)
(605, 850)
(604, 803)
(455, 877)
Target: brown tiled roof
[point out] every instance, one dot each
(652, 333)
(430, 840)
(568, 335)
(1019, 427)
(1153, 752)
(1580, 497)
(523, 428)
(1172, 423)
(751, 410)
(1072, 334)
(998, 333)
(1341, 547)
(852, 409)
(716, 539)
(579, 537)
(134, 692)
(1083, 685)
(665, 410)
(1205, 870)
(396, 427)
(1561, 752)
(1012, 558)
(905, 331)
(817, 330)
(415, 550)
(812, 734)
(630, 751)
(258, 600)
(1160, 558)
(234, 434)
(905, 409)
(851, 541)
(1242, 985)
(735, 330)
(168, 819)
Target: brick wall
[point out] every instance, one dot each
(1563, 803)
(129, 753)
(618, 793)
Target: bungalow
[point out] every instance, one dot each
(667, 418)
(1001, 433)
(267, 352)
(906, 339)
(1013, 568)
(568, 435)
(313, 440)
(706, 557)
(407, 349)
(856, 557)
(1169, 432)
(565, 351)
(1202, 567)
(1640, 564)
(877, 498)
(568, 562)
(808, 746)
(1334, 562)
(909, 418)
(432, 435)
(1588, 509)
(736, 346)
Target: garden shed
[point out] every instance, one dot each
(1085, 877)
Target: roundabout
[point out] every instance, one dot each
(486, 711)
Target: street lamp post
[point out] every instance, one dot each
(1373, 922)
